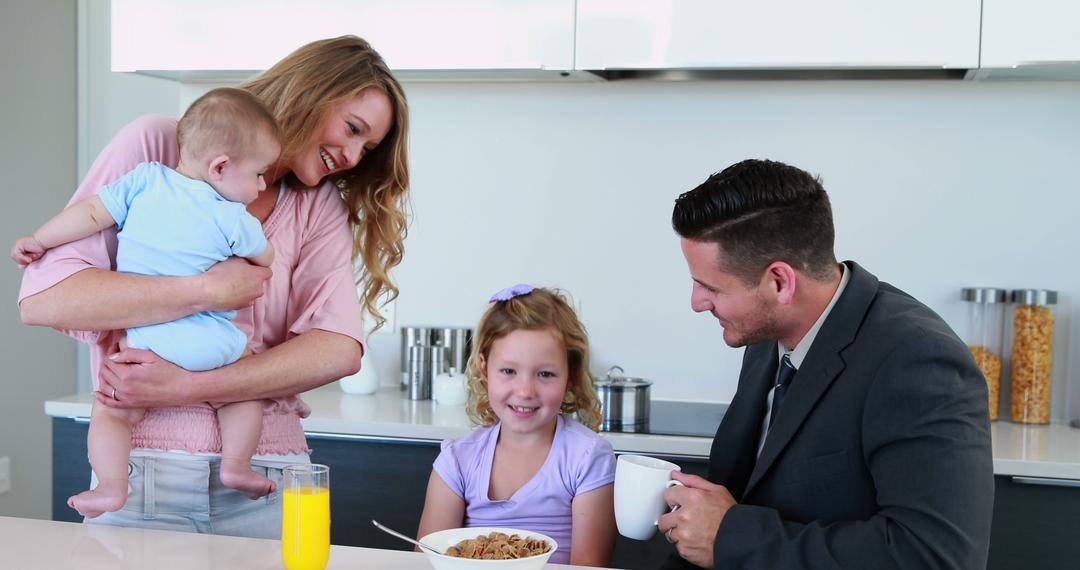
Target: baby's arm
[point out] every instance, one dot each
(264, 259)
(81, 220)
(247, 238)
(443, 509)
(593, 531)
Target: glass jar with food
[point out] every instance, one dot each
(1032, 354)
(986, 329)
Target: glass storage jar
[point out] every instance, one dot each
(986, 330)
(1032, 354)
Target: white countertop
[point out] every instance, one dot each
(29, 544)
(388, 413)
(1051, 451)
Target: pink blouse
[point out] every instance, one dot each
(312, 287)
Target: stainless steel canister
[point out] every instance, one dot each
(425, 362)
(412, 336)
(624, 401)
(458, 343)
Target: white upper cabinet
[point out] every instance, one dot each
(537, 39)
(1030, 33)
(208, 39)
(777, 34)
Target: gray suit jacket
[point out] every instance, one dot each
(880, 457)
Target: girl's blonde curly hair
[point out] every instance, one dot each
(540, 309)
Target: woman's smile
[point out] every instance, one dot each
(328, 161)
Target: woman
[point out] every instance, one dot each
(337, 194)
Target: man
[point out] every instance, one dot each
(859, 436)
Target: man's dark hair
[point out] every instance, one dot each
(758, 212)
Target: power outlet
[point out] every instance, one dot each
(388, 313)
(5, 475)
(387, 309)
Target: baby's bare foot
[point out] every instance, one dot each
(107, 497)
(237, 474)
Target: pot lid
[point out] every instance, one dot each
(615, 379)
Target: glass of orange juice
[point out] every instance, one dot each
(305, 517)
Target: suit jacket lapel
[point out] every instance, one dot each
(822, 365)
(735, 446)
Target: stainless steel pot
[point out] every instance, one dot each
(624, 401)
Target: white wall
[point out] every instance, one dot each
(37, 156)
(935, 185)
(106, 102)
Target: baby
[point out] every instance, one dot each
(179, 223)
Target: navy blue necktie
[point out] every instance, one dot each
(783, 381)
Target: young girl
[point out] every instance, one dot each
(530, 465)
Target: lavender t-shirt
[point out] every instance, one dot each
(579, 461)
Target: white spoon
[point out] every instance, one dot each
(404, 537)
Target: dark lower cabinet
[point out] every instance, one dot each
(1035, 526)
(387, 480)
(378, 480)
(71, 468)
(370, 478)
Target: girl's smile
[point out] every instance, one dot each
(526, 373)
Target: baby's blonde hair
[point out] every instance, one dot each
(225, 121)
(541, 309)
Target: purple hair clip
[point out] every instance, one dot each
(511, 292)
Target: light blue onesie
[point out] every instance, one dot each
(172, 225)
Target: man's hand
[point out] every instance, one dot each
(692, 528)
(134, 378)
(233, 284)
(27, 250)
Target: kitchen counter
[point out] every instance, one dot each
(388, 413)
(1050, 451)
(29, 544)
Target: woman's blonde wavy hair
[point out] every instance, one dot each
(299, 90)
(538, 310)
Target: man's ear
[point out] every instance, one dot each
(216, 168)
(779, 282)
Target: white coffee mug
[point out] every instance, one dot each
(640, 483)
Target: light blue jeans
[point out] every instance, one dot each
(187, 495)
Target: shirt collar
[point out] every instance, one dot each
(799, 352)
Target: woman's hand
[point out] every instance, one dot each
(233, 284)
(134, 378)
(306, 361)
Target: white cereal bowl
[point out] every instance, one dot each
(444, 539)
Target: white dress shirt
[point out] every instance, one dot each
(799, 352)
